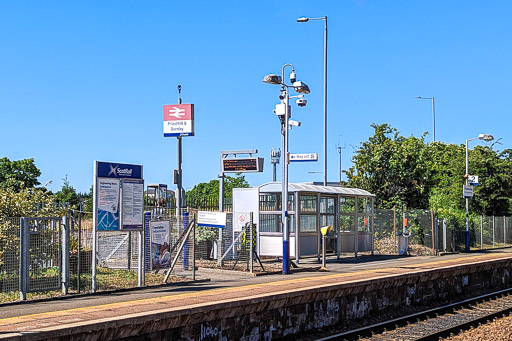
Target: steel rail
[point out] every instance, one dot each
(399, 322)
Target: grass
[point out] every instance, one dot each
(107, 280)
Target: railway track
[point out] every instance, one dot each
(435, 323)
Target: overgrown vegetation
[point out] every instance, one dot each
(409, 171)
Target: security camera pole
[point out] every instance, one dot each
(301, 88)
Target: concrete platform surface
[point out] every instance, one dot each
(224, 287)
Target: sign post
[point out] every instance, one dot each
(118, 202)
(178, 121)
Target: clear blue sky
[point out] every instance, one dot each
(86, 80)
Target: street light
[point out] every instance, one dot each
(433, 114)
(306, 19)
(487, 138)
(284, 114)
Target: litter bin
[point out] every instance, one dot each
(403, 243)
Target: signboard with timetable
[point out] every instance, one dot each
(179, 120)
(245, 164)
(118, 195)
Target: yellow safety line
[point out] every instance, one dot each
(5, 321)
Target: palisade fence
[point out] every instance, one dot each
(41, 255)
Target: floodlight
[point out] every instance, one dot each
(301, 87)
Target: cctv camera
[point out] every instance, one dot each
(301, 102)
(293, 77)
(294, 123)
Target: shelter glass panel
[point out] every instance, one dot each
(308, 203)
(363, 205)
(270, 223)
(363, 224)
(308, 223)
(347, 223)
(272, 202)
(327, 205)
(347, 205)
(327, 219)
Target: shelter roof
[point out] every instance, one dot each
(272, 187)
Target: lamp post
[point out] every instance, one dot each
(487, 138)
(306, 19)
(283, 112)
(433, 114)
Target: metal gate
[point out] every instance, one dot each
(41, 255)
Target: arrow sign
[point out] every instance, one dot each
(303, 157)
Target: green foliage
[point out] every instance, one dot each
(210, 191)
(392, 167)
(19, 174)
(68, 195)
(27, 203)
(400, 170)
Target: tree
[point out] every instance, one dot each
(68, 194)
(392, 167)
(18, 174)
(205, 191)
(409, 171)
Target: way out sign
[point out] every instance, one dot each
(179, 120)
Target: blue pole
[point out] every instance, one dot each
(185, 247)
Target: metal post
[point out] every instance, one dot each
(325, 102)
(23, 258)
(65, 254)
(284, 199)
(78, 270)
(444, 234)
(493, 234)
(433, 238)
(250, 238)
(504, 232)
(179, 185)
(467, 200)
(394, 227)
(221, 209)
(481, 232)
(194, 249)
(434, 118)
(140, 260)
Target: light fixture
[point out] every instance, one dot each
(301, 87)
(303, 19)
(272, 79)
(485, 137)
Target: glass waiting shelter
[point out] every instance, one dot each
(349, 211)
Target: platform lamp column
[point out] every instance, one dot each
(487, 138)
(301, 88)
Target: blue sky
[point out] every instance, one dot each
(86, 80)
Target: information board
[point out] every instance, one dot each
(118, 194)
(160, 244)
(107, 200)
(246, 164)
(211, 219)
(132, 208)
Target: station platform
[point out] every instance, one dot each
(229, 305)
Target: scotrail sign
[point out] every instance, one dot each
(179, 120)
